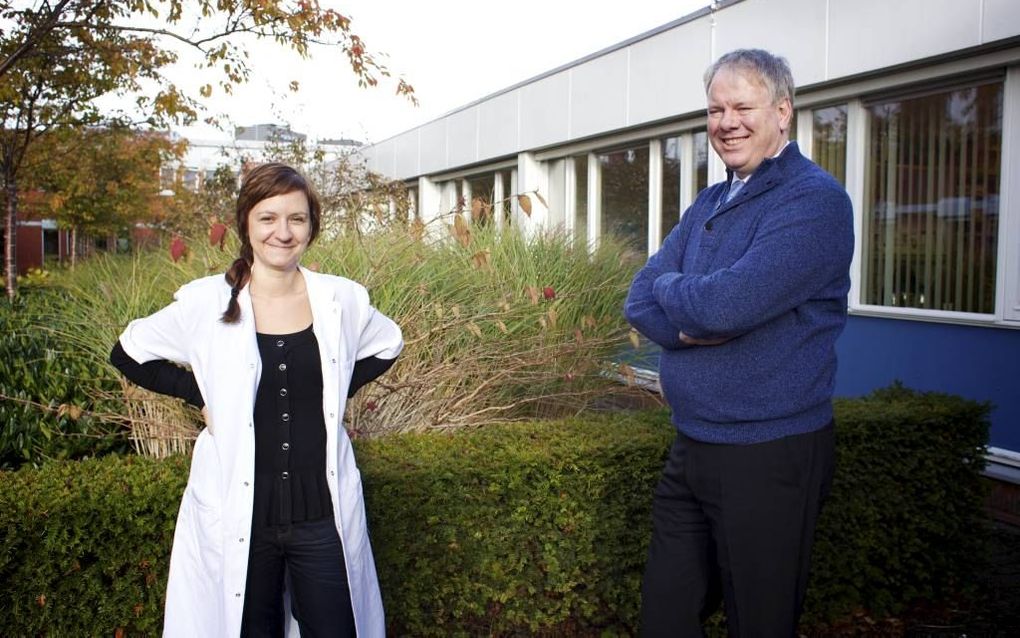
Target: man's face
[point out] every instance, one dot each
(745, 127)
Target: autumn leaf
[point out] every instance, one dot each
(177, 248)
(217, 234)
(525, 203)
(635, 338)
(541, 199)
(476, 208)
(294, 86)
(461, 231)
(627, 373)
(549, 293)
(481, 259)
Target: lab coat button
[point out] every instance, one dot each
(237, 595)
(240, 540)
(331, 415)
(246, 484)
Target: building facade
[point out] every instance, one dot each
(914, 105)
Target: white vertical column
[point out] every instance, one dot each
(654, 195)
(497, 200)
(569, 195)
(688, 176)
(805, 132)
(1009, 200)
(465, 192)
(531, 179)
(856, 149)
(594, 201)
(429, 199)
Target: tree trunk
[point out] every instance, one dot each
(11, 236)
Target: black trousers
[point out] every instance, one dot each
(311, 556)
(735, 522)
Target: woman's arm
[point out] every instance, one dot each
(160, 376)
(366, 371)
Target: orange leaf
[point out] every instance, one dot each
(525, 203)
(627, 373)
(461, 231)
(541, 199)
(481, 259)
(476, 208)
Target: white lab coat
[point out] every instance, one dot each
(209, 561)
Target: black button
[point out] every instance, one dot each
(285, 475)
(283, 366)
(283, 392)
(708, 225)
(279, 343)
(285, 416)
(285, 446)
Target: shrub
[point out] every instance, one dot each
(49, 393)
(520, 529)
(497, 328)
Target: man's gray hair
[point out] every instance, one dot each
(773, 70)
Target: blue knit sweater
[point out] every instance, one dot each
(769, 271)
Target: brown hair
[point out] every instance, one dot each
(262, 182)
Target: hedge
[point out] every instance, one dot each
(530, 529)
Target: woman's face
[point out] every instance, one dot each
(280, 229)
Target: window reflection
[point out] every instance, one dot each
(932, 200)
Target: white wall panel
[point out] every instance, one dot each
(666, 71)
(1001, 20)
(864, 36)
(598, 95)
(462, 137)
(381, 159)
(433, 147)
(405, 149)
(794, 29)
(544, 111)
(497, 126)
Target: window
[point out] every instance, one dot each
(624, 197)
(828, 140)
(931, 200)
(684, 175)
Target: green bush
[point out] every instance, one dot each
(522, 529)
(49, 391)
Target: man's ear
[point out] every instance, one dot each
(785, 108)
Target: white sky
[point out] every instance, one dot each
(452, 51)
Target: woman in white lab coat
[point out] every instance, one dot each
(271, 535)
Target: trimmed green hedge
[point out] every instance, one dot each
(516, 530)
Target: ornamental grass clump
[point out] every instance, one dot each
(497, 327)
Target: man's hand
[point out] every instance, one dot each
(692, 341)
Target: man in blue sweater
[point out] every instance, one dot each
(746, 297)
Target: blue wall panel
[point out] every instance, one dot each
(973, 362)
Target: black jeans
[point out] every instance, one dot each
(311, 556)
(735, 522)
